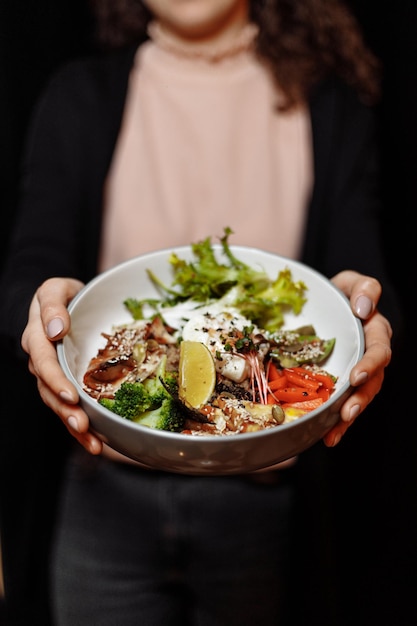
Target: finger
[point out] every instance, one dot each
(334, 436)
(363, 292)
(352, 408)
(378, 353)
(74, 418)
(53, 296)
(45, 366)
(356, 403)
(361, 397)
(44, 361)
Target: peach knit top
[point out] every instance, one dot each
(202, 146)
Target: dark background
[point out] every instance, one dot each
(373, 472)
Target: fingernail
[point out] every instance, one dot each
(72, 422)
(66, 396)
(363, 307)
(336, 439)
(361, 378)
(354, 412)
(55, 327)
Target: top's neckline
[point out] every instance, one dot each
(243, 41)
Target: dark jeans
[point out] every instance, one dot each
(144, 548)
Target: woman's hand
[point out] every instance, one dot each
(368, 374)
(49, 321)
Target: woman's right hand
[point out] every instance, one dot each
(48, 322)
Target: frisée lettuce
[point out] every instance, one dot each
(233, 283)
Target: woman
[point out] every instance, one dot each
(210, 113)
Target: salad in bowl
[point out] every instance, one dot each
(231, 359)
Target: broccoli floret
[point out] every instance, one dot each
(108, 403)
(130, 400)
(170, 382)
(151, 402)
(155, 389)
(168, 416)
(160, 383)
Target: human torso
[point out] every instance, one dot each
(202, 146)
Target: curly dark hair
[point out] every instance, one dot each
(302, 41)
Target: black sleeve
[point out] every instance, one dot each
(70, 142)
(344, 228)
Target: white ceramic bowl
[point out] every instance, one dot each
(99, 306)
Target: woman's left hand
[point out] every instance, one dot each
(368, 374)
